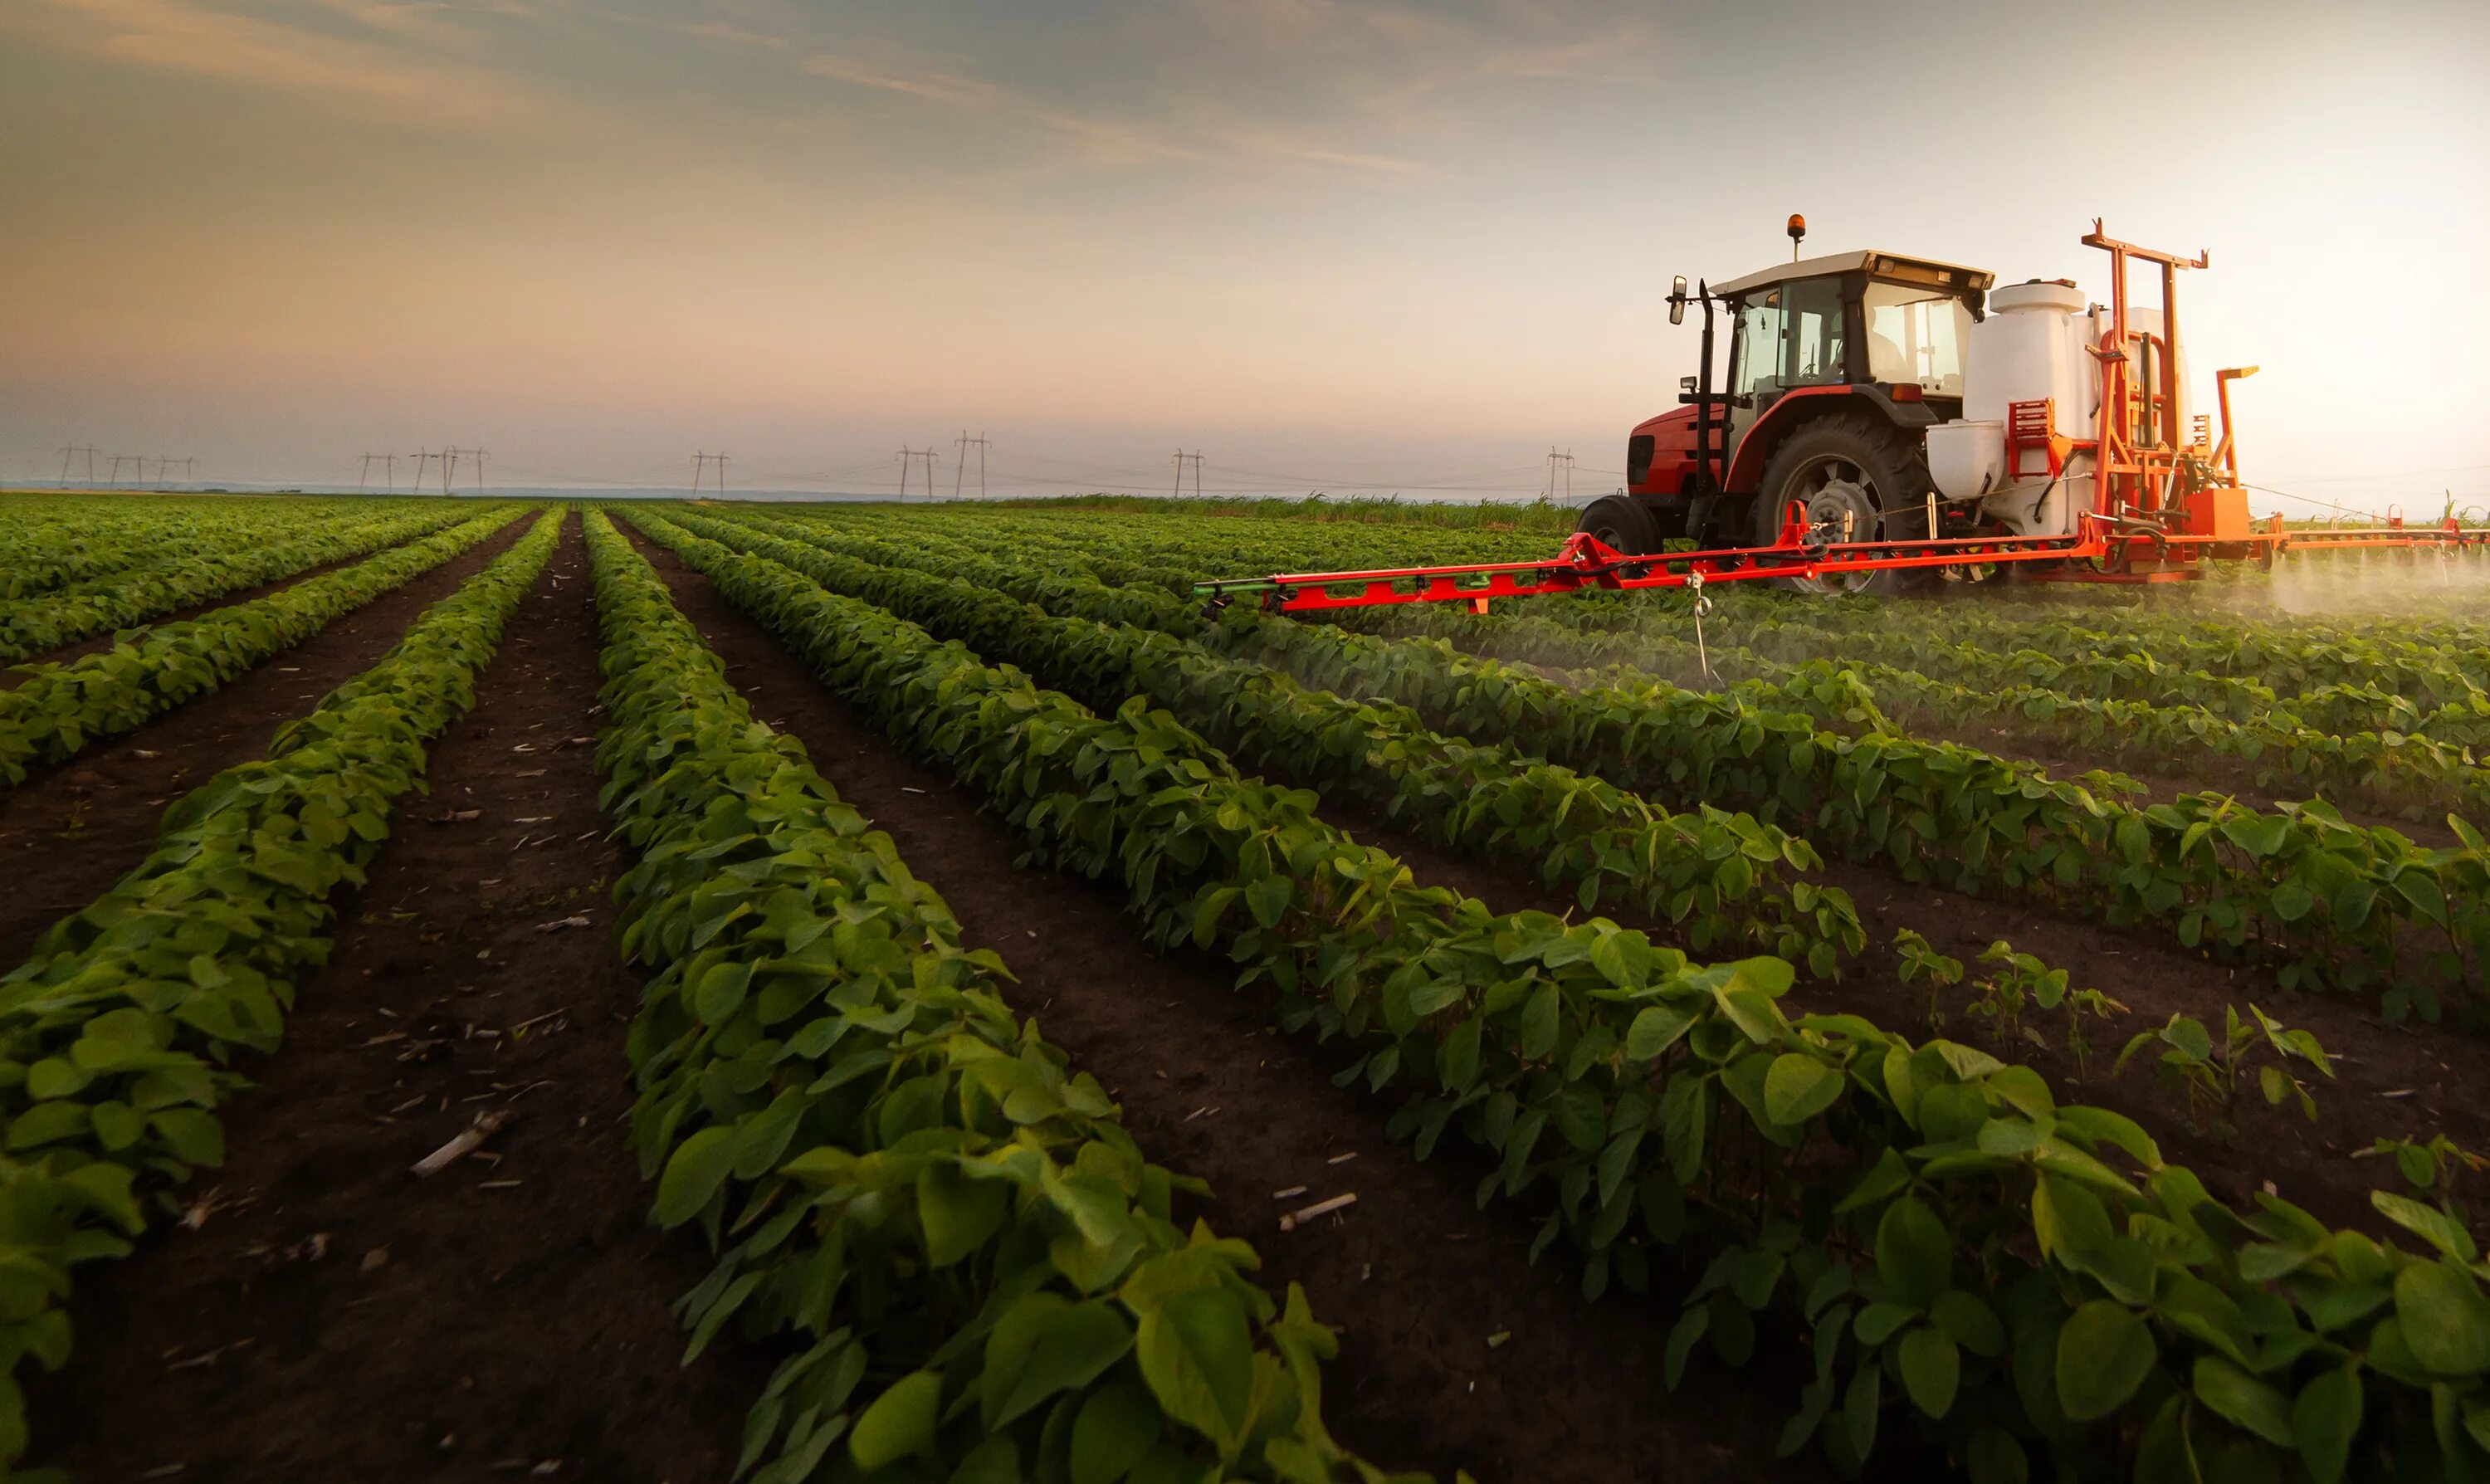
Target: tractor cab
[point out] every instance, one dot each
(1859, 351)
(1856, 319)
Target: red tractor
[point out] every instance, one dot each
(1838, 367)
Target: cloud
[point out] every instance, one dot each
(334, 73)
(1102, 140)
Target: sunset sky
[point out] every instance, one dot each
(1331, 244)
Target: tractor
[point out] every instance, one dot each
(1892, 422)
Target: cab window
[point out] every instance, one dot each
(1916, 336)
(1759, 345)
(1791, 335)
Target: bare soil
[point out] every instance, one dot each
(70, 831)
(335, 1317)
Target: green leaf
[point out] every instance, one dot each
(1994, 1456)
(1655, 1030)
(1914, 1253)
(1268, 899)
(2446, 1321)
(1047, 1346)
(193, 1134)
(1116, 1428)
(1931, 1369)
(2324, 1419)
(900, 1422)
(2104, 1354)
(2261, 835)
(699, 1167)
(1799, 1087)
(2235, 1394)
(2427, 1222)
(958, 1210)
(1197, 1356)
(721, 991)
(1968, 1318)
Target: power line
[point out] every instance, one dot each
(1181, 457)
(960, 470)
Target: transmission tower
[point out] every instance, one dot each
(959, 473)
(700, 462)
(72, 452)
(449, 467)
(908, 458)
(1183, 458)
(137, 459)
(389, 466)
(478, 454)
(421, 457)
(1555, 460)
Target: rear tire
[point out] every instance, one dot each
(1859, 463)
(1621, 522)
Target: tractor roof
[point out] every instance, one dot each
(1881, 265)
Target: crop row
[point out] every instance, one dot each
(973, 1270)
(33, 624)
(51, 542)
(2338, 905)
(1726, 881)
(2330, 680)
(1989, 1274)
(60, 707)
(117, 1034)
(2410, 773)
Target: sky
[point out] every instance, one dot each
(1331, 246)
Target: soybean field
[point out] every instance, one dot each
(666, 991)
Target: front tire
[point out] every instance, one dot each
(1621, 523)
(1854, 465)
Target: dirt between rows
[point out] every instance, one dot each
(333, 1317)
(1454, 1352)
(70, 831)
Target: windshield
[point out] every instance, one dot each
(1916, 336)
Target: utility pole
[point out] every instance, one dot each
(908, 458)
(960, 474)
(700, 462)
(73, 452)
(1555, 459)
(1181, 459)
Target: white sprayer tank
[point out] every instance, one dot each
(2034, 344)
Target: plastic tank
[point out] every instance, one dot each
(1967, 459)
(2033, 345)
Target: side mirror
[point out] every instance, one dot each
(1677, 301)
